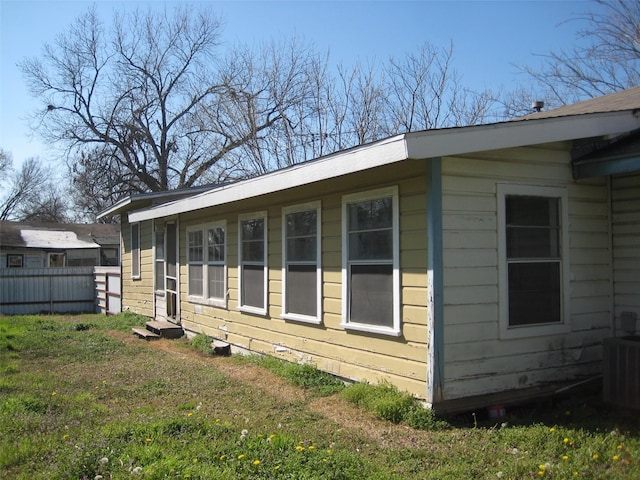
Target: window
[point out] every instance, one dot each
(109, 256)
(159, 267)
(301, 265)
(55, 260)
(15, 260)
(252, 253)
(371, 279)
(533, 254)
(206, 246)
(135, 250)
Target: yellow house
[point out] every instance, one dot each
(464, 265)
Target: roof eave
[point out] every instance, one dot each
(418, 145)
(464, 140)
(379, 153)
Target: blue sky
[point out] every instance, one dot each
(488, 38)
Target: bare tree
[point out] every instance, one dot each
(606, 60)
(155, 99)
(33, 195)
(6, 163)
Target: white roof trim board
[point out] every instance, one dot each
(419, 145)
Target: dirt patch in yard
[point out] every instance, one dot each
(345, 415)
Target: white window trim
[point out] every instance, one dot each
(392, 192)
(205, 299)
(317, 319)
(247, 308)
(134, 275)
(523, 331)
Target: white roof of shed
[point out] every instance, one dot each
(54, 239)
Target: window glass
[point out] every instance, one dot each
(301, 271)
(370, 230)
(533, 248)
(253, 263)
(301, 233)
(371, 275)
(159, 260)
(253, 286)
(253, 240)
(135, 250)
(196, 246)
(15, 260)
(195, 280)
(216, 281)
(534, 293)
(206, 258)
(215, 242)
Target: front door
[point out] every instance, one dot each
(166, 272)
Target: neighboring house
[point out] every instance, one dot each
(37, 245)
(457, 264)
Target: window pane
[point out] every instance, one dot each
(377, 244)
(135, 250)
(302, 224)
(301, 249)
(215, 239)
(370, 215)
(302, 290)
(159, 275)
(196, 246)
(216, 281)
(533, 227)
(371, 295)
(534, 293)
(171, 254)
(253, 286)
(252, 229)
(159, 245)
(253, 251)
(532, 211)
(195, 280)
(536, 242)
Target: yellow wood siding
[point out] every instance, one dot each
(137, 294)
(477, 360)
(626, 241)
(354, 355)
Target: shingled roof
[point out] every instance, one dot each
(615, 102)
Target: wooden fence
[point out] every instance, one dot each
(25, 291)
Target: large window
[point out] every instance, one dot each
(371, 279)
(301, 265)
(252, 262)
(206, 252)
(135, 250)
(533, 251)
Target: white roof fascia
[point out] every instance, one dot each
(376, 154)
(115, 208)
(461, 140)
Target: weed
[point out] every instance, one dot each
(82, 404)
(202, 343)
(388, 403)
(303, 375)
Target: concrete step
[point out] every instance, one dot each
(145, 334)
(165, 329)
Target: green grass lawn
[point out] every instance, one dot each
(81, 399)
